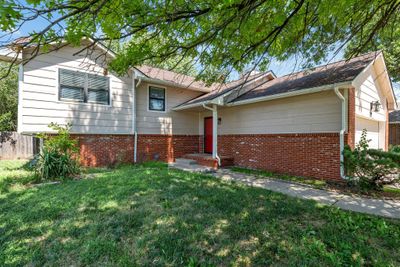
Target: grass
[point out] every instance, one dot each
(148, 215)
(320, 184)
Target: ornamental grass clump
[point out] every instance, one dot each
(371, 168)
(58, 158)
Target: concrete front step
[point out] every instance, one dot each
(185, 161)
(191, 167)
(208, 160)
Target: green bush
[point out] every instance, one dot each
(395, 149)
(371, 168)
(59, 156)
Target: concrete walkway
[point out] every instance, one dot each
(385, 208)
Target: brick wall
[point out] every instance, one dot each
(351, 124)
(104, 150)
(312, 155)
(166, 147)
(387, 127)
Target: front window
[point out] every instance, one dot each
(156, 98)
(83, 87)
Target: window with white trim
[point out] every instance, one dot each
(156, 98)
(83, 87)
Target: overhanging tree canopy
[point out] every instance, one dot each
(219, 35)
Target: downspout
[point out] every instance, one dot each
(215, 132)
(134, 116)
(20, 90)
(342, 131)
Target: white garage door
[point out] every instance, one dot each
(372, 131)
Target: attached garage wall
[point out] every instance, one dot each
(375, 132)
(368, 90)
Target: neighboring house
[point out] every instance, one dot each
(295, 124)
(394, 127)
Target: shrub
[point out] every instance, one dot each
(395, 149)
(371, 168)
(59, 156)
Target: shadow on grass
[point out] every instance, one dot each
(150, 215)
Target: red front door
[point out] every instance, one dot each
(208, 135)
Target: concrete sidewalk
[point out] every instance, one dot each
(380, 207)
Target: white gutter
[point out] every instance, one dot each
(342, 130)
(134, 115)
(194, 105)
(289, 94)
(20, 90)
(215, 132)
(267, 98)
(172, 84)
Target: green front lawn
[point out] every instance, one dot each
(149, 215)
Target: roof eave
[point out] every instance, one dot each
(293, 93)
(171, 84)
(9, 55)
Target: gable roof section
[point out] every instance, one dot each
(155, 75)
(173, 77)
(220, 90)
(334, 73)
(338, 73)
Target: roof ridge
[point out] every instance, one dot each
(332, 63)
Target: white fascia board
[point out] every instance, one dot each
(9, 55)
(289, 94)
(217, 101)
(172, 84)
(194, 105)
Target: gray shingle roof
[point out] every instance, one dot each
(337, 72)
(221, 89)
(170, 76)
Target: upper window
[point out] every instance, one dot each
(156, 98)
(84, 87)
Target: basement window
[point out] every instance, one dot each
(83, 87)
(156, 98)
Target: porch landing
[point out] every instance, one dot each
(207, 160)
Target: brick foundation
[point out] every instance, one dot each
(105, 150)
(311, 155)
(166, 147)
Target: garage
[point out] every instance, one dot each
(375, 132)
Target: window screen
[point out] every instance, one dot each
(98, 89)
(156, 98)
(72, 85)
(84, 87)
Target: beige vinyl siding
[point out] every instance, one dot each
(40, 104)
(313, 113)
(168, 122)
(367, 91)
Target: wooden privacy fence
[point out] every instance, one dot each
(16, 146)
